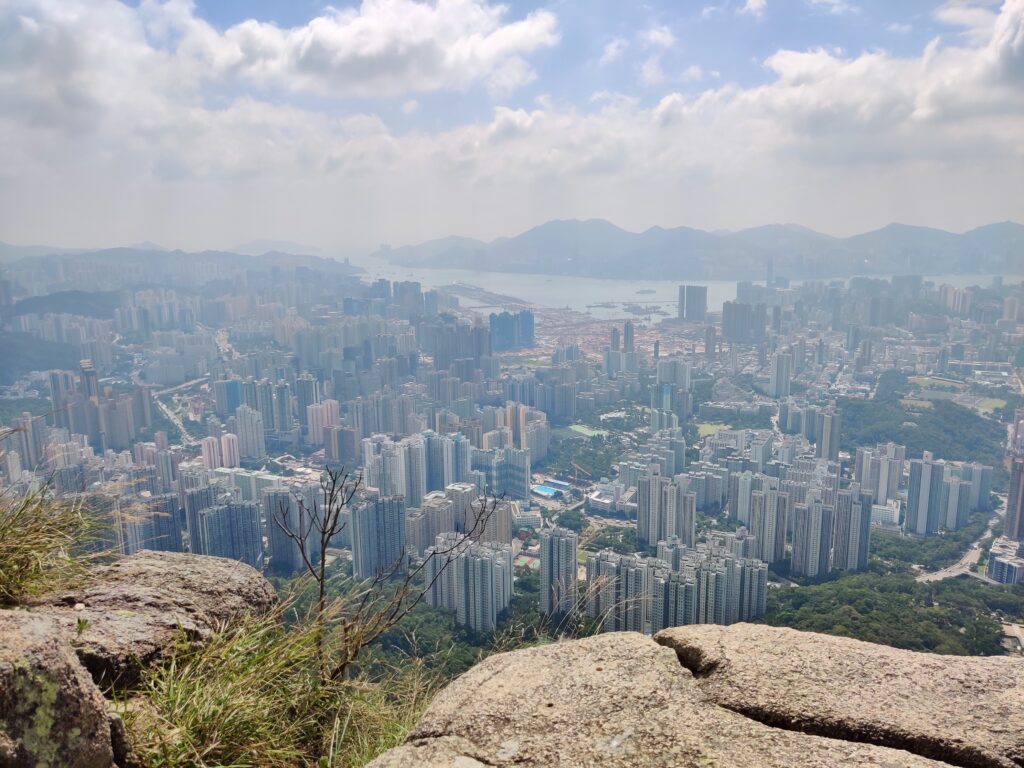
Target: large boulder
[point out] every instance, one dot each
(130, 614)
(613, 700)
(964, 711)
(51, 712)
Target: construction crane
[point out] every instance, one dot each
(576, 474)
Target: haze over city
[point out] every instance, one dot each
(207, 125)
(426, 383)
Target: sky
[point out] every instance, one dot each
(208, 124)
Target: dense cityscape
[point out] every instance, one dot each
(533, 384)
(646, 473)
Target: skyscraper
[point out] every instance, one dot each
(828, 426)
(924, 496)
(852, 530)
(473, 579)
(781, 374)
(1015, 502)
(695, 303)
(557, 571)
(232, 530)
(378, 537)
(812, 538)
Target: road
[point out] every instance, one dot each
(965, 564)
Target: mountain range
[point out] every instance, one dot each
(598, 248)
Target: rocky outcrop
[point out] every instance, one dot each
(51, 712)
(964, 711)
(734, 696)
(56, 656)
(130, 614)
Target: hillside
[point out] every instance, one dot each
(598, 248)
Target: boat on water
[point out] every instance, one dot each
(646, 291)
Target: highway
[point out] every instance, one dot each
(965, 564)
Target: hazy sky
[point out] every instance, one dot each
(212, 123)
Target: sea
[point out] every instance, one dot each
(602, 298)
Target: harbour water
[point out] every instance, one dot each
(600, 297)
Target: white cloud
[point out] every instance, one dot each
(755, 8)
(109, 134)
(658, 37)
(380, 48)
(835, 7)
(710, 11)
(410, 107)
(976, 19)
(899, 29)
(613, 51)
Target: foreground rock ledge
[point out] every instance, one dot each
(613, 700)
(136, 609)
(964, 711)
(129, 615)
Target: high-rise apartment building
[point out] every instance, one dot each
(781, 374)
(473, 579)
(378, 537)
(1015, 502)
(812, 538)
(924, 496)
(557, 571)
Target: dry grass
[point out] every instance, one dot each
(41, 539)
(254, 696)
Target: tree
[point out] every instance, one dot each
(366, 609)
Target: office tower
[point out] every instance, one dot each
(812, 538)
(233, 531)
(228, 450)
(852, 529)
(695, 303)
(828, 427)
(251, 438)
(210, 450)
(924, 497)
(378, 537)
(1015, 502)
(557, 571)
(473, 579)
(781, 374)
(615, 339)
(769, 519)
(628, 337)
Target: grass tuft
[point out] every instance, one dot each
(41, 540)
(253, 696)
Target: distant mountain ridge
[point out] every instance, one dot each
(598, 248)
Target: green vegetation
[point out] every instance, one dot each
(40, 541)
(956, 616)
(933, 553)
(760, 420)
(595, 455)
(99, 304)
(616, 538)
(948, 430)
(572, 519)
(11, 409)
(254, 696)
(22, 353)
